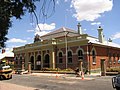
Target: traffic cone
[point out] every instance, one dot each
(56, 74)
(82, 76)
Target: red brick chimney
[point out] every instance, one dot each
(3, 50)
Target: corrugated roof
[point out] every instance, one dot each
(106, 43)
(6, 54)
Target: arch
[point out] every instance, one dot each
(79, 49)
(59, 52)
(32, 62)
(93, 49)
(80, 54)
(38, 62)
(46, 62)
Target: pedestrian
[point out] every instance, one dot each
(77, 72)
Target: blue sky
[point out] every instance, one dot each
(90, 13)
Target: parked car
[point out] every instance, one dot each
(116, 82)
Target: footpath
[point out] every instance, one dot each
(9, 86)
(67, 76)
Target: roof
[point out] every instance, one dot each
(60, 33)
(106, 43)
(6, 54)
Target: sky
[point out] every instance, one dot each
(68, 13)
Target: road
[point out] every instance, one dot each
(61, 83)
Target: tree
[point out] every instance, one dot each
(17, 9)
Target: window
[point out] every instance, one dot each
(118, 57)
(94, 57)
(110, 61)
(60, 57)
(69, 57)
(16, 60)
(20, 60)
(80, 55)
(114, 61)
(46, 58)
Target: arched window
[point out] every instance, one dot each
(46, 61)
(69, 57)
(60, 57)
(94, 57)
(16, 60)
(20, 60)
(114, 61)
(38, 62)
(110, 60)
(118, 58)
(46, 58)
(80, 55)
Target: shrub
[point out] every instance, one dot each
(113, 70)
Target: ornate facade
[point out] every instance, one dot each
(66, 48)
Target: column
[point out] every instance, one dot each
(53, 60)
(29, 67)
(23, 67)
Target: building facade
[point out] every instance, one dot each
(7, 57)
(66, 48)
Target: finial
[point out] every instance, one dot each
(99, 26)
(78, 24)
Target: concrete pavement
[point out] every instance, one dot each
(65, 76)
(9, 86)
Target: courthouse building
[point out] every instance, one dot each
(67, 48)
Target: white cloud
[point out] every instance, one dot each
(90, 10)
(45, 28)
(41, 33)
(66, 0)
(116, 36)
(57, 1)
(96, 23)
(15, 40)
(30, 30)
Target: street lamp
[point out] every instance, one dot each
(66, 33)
(89, 44)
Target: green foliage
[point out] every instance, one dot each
(51, 69)
(113, 70)
(17, 9)
(9, 9)
(57, 69)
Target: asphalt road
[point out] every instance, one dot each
(53, 83)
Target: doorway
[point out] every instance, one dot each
(103, 67)
(46, 61)
(32, 62)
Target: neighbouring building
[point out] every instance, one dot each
(66, 48)
(8, 57)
